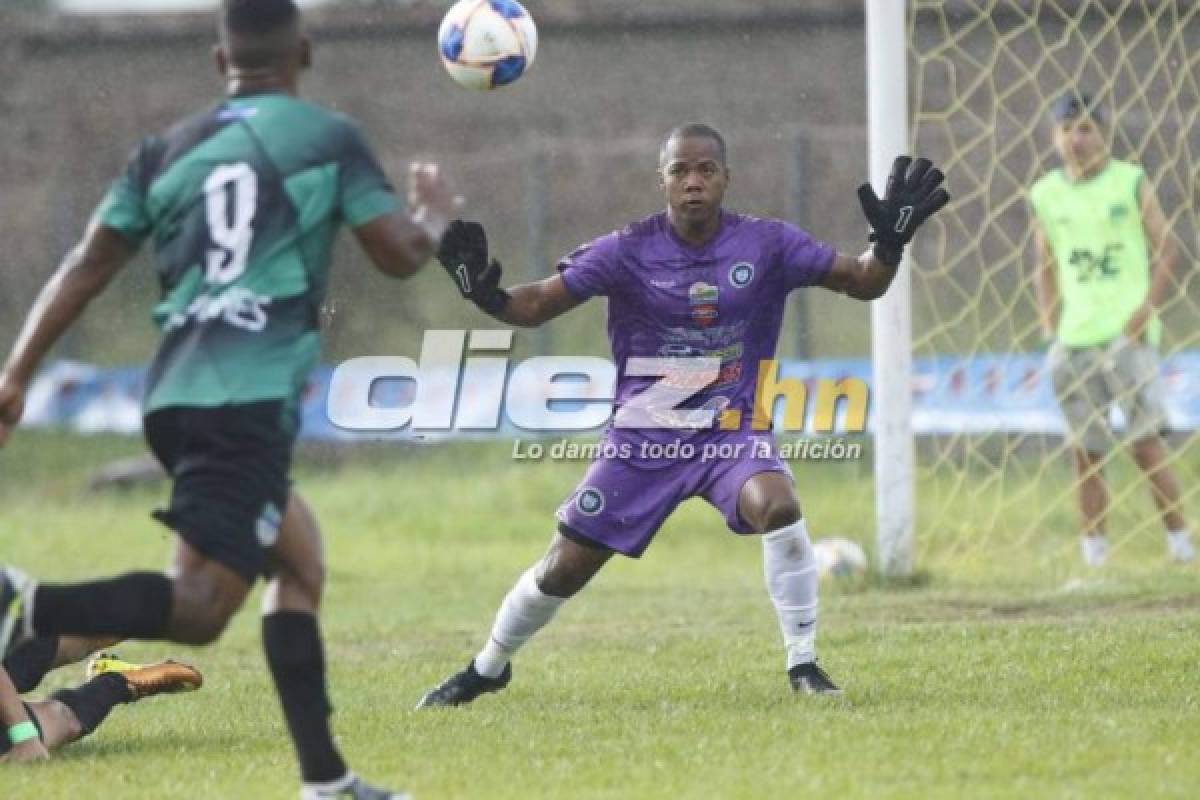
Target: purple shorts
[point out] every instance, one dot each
(620, 505)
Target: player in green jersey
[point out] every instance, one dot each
(242, 202)
(1105, 264)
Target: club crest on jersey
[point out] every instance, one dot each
(741, 273)
(702, 297)
(590, 501)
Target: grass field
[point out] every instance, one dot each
(664, 679)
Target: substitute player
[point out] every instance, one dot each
(1105, 261)
(242, 202)
(699, 280)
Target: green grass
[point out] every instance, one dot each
(1007, 678)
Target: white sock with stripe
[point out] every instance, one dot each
(525, 611)
(790, 568)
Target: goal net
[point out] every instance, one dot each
(996, 486)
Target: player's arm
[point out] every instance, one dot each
(464, 255)
(1045, 283)
(913, 195)
(81, 276)
(863, 278)
(1163, 257)
(399, 243)
(16, 725)
(531, 304)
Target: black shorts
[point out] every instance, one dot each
(229, 470)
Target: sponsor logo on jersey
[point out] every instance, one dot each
(590, 501)
(236, 306)
(1118, 211)
(741, 273)
(702, 297)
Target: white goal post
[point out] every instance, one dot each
(891, 316)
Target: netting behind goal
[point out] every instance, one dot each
(982, 76)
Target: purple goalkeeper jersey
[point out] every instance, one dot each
(723, 299)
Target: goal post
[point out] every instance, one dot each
(975, 476)
(891, 315)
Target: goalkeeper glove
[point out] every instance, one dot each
(464, 255)
(913, 195)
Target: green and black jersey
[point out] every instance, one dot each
(243, 203)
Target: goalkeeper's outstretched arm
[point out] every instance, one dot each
(863, 278)
(464, 255)
(531, 304)
(914, 194)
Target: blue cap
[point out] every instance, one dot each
(1074, 104)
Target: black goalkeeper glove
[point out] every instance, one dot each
(913, 195)
(464, 255)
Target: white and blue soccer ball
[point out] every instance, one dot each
(486, 44)
(840, 559)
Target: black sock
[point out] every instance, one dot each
(294, 655)
(91, 702)
(30, 662)
(133, 606)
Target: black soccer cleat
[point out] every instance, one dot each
(15, 586)
(463, 687)
(811, 679)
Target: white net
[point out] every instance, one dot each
(996, 484)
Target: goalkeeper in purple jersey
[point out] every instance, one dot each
(694, 281)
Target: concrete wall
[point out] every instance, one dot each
(75, 98)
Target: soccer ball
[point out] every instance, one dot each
(840, 558)
(487, 43)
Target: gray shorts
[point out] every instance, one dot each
(1088, 381)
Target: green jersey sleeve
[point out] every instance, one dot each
(124, 206)
(365, 192)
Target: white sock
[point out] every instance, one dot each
(790, 568)
(1095, 549)
(317, 791)
(525, 611)
(1179, 545)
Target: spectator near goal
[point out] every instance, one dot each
(1104, 268)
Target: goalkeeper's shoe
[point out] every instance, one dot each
(354, 789)
(16, 589)
(811, 679)
(147, 680)
(463, 687)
